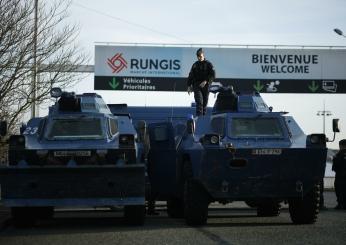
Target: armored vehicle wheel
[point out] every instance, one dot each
(175, 208)
(304, 210)
(134, 214)
(268, 208)
(251, 203)
(195, 204)
(23, 216)
(45, 212)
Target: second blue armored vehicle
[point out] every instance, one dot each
(243, 151)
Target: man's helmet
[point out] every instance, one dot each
(199, 51)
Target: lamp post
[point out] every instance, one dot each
(324, 113)
(34, 72)
(339, 32)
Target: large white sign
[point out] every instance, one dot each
(166, 68)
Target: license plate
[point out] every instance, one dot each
(72, 153)
(266, 151)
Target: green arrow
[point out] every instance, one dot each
(313, 87)
(258, 86)
(114, 84)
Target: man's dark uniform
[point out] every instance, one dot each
(201, 71)
(339, 167)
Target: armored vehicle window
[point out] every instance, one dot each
(218, 125)
(88, 106)
(75, 128)
(245, 105)
(161, 133)
(255, 127)
(261, 106)
(113, 126)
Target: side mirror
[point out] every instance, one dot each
(336, 125)
(335, 129)
(190, 126)
(3, 128)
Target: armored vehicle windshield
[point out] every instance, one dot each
(61, 128)
(255, 127)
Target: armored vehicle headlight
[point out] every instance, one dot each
(126, 140)
(42, 153)
(317, 138)
(101, 153)
(214, 139)
(314, 139)
(21, 140)
(17, 140)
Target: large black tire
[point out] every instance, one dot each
(195, 204)
(305, 210)
(44, 212)
(134, 214)
(23, 216)
(252, 203)
(268, 208)
(175, 208)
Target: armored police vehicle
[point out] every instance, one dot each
(160, 178)
(80, 155)
(242, 152)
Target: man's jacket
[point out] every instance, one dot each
(339, 163)
(201, 71)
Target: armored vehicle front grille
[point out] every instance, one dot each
(53, 159)
(238, 163)
(72, 157)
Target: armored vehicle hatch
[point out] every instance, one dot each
(229, 101)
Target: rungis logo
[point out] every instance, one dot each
(117, 63)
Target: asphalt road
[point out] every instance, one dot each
(235, 224)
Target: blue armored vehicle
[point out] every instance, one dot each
(160, 178)
(80, 155)
(243, 151)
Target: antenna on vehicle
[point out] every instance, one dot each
(172, 107)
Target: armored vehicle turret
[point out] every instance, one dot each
(79, 155)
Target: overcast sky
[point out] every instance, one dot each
(272, 22)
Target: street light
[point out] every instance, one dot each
(324, 113)
(34, 71)
(339, 32)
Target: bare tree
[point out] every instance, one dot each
(57, 55)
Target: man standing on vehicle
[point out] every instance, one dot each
(339, 167)
(201, 75)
